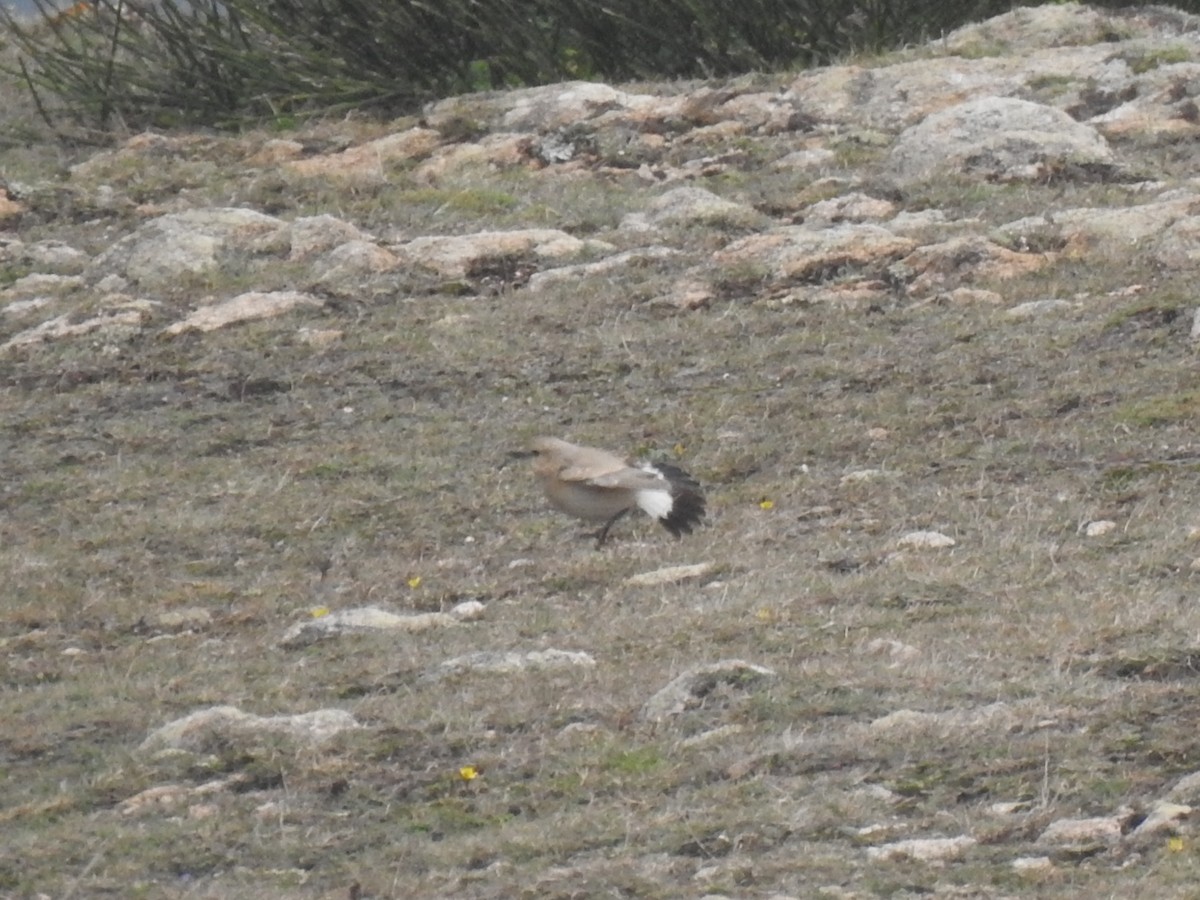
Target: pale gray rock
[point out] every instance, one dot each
(1032, 864)
(50, 256)
(244, 308)
(313, 235)
(362, 620)
(925, 540)
(924, 849)
(690, 205)
(1164, 817)
(1087, 231)
(120, 317)
(228, 724)
(894, 97)
(171, 247)
(1033, 309)
(1186, 790)
(806, 160)
(1028, 28)
(998, 139)
(689, 689)
(1083, 832)
(545, 109)
(670, 575)
(508, 663)
(1179, 246)
(42, 285)
(904, 721)
(344, 268)
(581, 272)
(852, 207)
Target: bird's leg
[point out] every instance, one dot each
(602, 534)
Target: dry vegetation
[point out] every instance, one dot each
(226, 473)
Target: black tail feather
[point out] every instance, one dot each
(688, 504)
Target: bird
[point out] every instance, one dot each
(598, 486)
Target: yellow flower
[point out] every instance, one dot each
(764, 503)
(679, 450)
(414, 582)
(468, 773)
(320, 611)
(765, 615)
(1175, 844)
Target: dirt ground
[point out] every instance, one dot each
(244, 479)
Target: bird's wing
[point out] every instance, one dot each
(629, 478)
(594, 467)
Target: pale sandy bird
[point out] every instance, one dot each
(598, 486)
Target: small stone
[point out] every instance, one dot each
(188, 618)
(690, 688)
(924, 849)
(1099, 527)
(670, 575)
(926, 540)
(898, 652)
(1036, 308)
(1032, 864)
(505, 663)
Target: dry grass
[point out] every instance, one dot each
(224, 472)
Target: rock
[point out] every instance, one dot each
(188, 618)
(925, 540)
(581, 272)
(1083, 832)
(945, 265)
(998, 139)
(45, 257)
(1032, 864)
(852, 207)
(39, 285)
(1099, 527)
(923, 849)
(544, 109)
(365, 162)
(982, 718)
(670, 575)
(230, 725)
(244, 308)
(343, 269)
(507, 663)
(1081, 232)
(690, 206)
(1035, 308)
(123, 318)
(165, 250)
(312, 235)
(689, 689)
(497, 151)
(371, 619)
(1186, 790)
(457, 256)
(897, 651)
(796, 252)
(1164, 817)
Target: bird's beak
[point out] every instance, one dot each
(513, 455)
